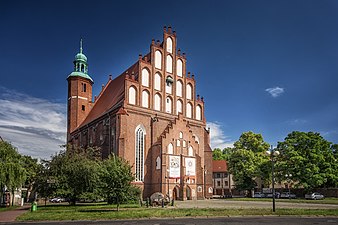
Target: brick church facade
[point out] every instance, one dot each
(149, 115)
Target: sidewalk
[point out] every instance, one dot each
(10, 216)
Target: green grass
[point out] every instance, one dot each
(108, 212)
(333, 201)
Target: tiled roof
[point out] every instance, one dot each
(219, 166)
(110, 96)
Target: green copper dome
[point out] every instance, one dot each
(81, 56)
(80, 65)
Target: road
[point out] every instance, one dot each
(252, 220)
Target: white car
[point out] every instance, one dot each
(55, 200)
(259, 195)
(314, 196)
(287, 195)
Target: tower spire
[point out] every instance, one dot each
(81, 45)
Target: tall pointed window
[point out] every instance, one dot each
(179, 87)
(168, 105)
(132, 95)
(169, 64)
(158, 60)
(145, 77)
(145, 99)
(189, 110)
(157, 81)
(157, 102)
(198, 112)
(169, 45)
(189, 91)
(179, 68)
(179, 107)
(139, 153)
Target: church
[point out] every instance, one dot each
(149, 115)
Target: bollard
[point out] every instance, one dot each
(34, 206)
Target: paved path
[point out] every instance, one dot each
(10, 216)
(221, 203)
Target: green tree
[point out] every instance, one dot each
(12, 173)
(76, 174)
(116, 178)
(309, 158)
(217, 154)
(32, 168)
(247, 161)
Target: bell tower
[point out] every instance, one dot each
(79, 92)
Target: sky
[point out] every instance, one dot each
(270, 66)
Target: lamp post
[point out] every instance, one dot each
(272, 153)
(288, 180)
(168, 193)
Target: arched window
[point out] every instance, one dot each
(132, 95)
(158, 163)
(170, 149)
(169, 64)
(179, 107)
(157, 81)
(157, 102)
(190, 151)
(169, 45)
(198, 112)
(139, 152)
(145, 99)
(189, 110)
(179, 87)
(145, 77)
(189, 91)
(158, 59)
(179, 68)
(181, 134)
(168, 105)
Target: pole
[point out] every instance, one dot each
(273, 183)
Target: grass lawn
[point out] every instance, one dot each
(333, 201)
(108, 212)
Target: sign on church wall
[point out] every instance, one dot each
(190, 166)
(174, 166)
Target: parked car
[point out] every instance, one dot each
(269, 195)
(259, 195)
(314, 196)
(55, 200)
(287, 195)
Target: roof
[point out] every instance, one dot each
(219, 166)
(111, 95)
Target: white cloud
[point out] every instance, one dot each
(275, 91)
(36, 126)
(217, 137)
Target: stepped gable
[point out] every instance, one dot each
(111, 96)
(172, 126)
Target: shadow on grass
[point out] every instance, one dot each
(98, 210)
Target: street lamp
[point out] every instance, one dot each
(168, 193)
(272, 153)
(288, 180)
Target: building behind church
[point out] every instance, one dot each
(151, 116)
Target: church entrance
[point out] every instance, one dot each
(189, 193)
(176, 193)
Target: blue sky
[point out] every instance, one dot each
(266, 66)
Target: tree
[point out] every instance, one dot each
(309, 158)
(116, 177)
(247, 160)
(75, 174)
(217, 154)
(32, 168)
(12, 174)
